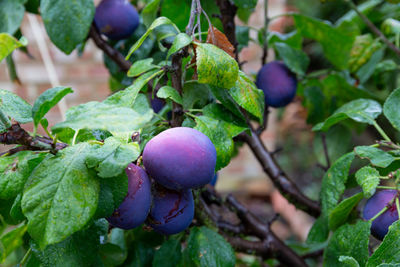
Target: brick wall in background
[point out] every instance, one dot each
(89, 79)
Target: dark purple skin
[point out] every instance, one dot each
(157, 104)
(278, 83)
(375, 204)
(214, 180)
(172, 211)
(134, 209)
(117, 19)
(180, 158)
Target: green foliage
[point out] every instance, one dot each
(113, 157)
(8, 44)
(54, 202)
(67, 22)
(14, 107)
(215, 66)
(387, 252)
(46, 101)
(11, 15)
(207, 248)
(348, 240)
(59, 199)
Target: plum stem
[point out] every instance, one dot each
(378, 214)
(386, 187)
(75, 136)
(398, 207)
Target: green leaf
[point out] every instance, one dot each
(47, 100)
(149, 12)
(232, 124)
(293, 39)
(168, 92)
(11, 15)
(390, 26)
(16, 211)
(376, 156)
(100, 116)
(338, 216)
(246, 94)
(242, 36)
(226, 99)
(158, 22)
(207, 248)
(333, 183)
(127, 97)
(113, 157)
(296, 60)
(391, 108)
(60, 196)
(80, 249)
(114, 252)
(366, 71)
(348, 261)
(15, 107)
(223, 143)
(171, 250)
(368, 178)
(15, 170)
(196, 95)
(348, 240)
(360, 110)
(67, 22)
(180, 41)
(248, 4)
(215, 66)
(353, 17)
(8, 44)
(141, 66)
(112, 193)
(388, 251)
(363, 48)
(11, 241)
(319, 232)
(335, 42)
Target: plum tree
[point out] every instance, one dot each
(134, 209)
(278, 83)
(171, 211)
(180, 158)
(375, 204)
(117, 19)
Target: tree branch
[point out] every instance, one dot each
(373, 28)
(228, 13)
(268, 246)
(278, 176)
(114, 54)
(16, 135)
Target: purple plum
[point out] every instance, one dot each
(157, 104)
(117, 19)
(180, 158)
(172, 211)
(134, 209)
(375, 204)
(278, 83)
(214, 180)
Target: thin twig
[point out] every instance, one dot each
(265, 34)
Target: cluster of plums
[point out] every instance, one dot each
(178, 159)
(380, 200)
